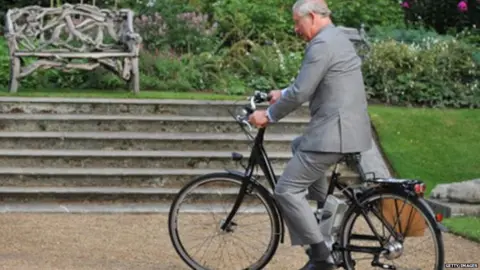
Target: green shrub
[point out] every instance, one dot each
(405, 35)
(432, 73)
(255, 20)
(174, 25)
(370, 13)
(272, 19)
(220, 46)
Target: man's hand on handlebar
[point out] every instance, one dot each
(258, 118)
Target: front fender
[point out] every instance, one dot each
(269, 197)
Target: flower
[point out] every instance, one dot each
(405, 4)
(462, 6)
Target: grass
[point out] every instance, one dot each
(434, 145)
(468, 227)
(120, 94)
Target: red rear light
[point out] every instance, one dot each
(439, 217)
(420, 188)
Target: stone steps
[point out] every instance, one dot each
(104, 155)
(115, 177)
(102, 106)
(60, 199)
(135, 123)
(128, 159)
(213, 195)
(140, 141)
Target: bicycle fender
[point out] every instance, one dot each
(237, 173)
(269, 197)
(440, 226)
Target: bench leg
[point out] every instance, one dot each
(135, 80)
(14, 73)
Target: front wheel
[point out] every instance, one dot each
(391, 230)
(199, 210)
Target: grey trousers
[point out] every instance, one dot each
(305, 171)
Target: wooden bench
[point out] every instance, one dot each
(69, 37)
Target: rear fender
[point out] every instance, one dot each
(440, 226)
(268, 196)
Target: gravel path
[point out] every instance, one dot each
(61, 241)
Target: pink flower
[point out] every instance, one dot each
(462, 6)
(405, 4)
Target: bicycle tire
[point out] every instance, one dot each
(373, 195)
(263, 194)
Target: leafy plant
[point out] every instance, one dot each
(435, 73)
(168, 25)
(370, 13)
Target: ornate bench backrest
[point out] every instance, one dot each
(69, 28)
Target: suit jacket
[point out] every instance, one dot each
(331, 79)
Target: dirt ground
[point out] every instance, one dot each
(68, 241)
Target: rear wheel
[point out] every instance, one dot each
(409, 238)
(199, 210)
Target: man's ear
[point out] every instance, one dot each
(312, 16)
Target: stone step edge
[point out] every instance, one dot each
(127, 101)
(107, 135)
(101, 208)
(109, 190)
(42, 171)
(105, 190)
(12, 191)
(130, 153)
(99, 117)
(105, 171)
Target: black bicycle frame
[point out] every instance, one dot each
(259, 156)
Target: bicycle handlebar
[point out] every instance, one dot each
(257, 98)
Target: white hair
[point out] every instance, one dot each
(304, 7)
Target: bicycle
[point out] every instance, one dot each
(335, 218)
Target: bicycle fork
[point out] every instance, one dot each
(244, 189)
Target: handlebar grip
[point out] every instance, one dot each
(249, 110)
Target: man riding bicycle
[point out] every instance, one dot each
(331, 80)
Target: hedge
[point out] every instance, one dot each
(234, 47)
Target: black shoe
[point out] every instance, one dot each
(316, 265)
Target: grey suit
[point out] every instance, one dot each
(330, 78)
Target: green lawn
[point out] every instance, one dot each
(437, 146)
(434, 145)
(468, 227)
